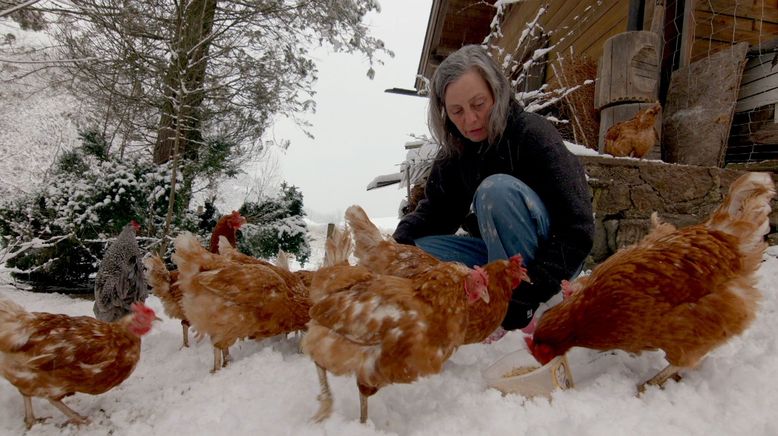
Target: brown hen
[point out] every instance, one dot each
(386, 329)
(684, 291)
(53, 356)
(385, 256)
(164, 284)
(228, 300)
(634, 137)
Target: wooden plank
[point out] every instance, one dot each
(754, 131)
(721, 26)
(704, 48)
(755, 87)
(687, 35)
(577, 22)
(759, 67)
(599, 21)
(727, 29)
(565, 14)
(516, 21)
(648, 13)
(629, 71)
(765, 27)
(741, 8)
(618, 71)
(758, 100)
(594, 50)
(771, 165)
(613, 21)
(725, 6)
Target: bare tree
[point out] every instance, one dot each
(228, 66)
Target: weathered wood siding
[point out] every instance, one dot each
(720, 23)
(583, 25)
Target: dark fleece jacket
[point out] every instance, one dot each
(531, 150)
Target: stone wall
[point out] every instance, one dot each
(626, 191)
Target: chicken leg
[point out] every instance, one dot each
(185, 328)
(226, 358)
(29, 416)
(364, 393)
(75, 418)
(221, 357)
(325, 397)
(670, 371)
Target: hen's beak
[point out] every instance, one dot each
(156, 318)
(485, 296)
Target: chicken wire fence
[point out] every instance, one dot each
(729, 50)
(694, 35)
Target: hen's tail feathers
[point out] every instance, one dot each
(366, 235)
(157, 275)
(338, 248)
(744, 212)
(191, 257)
(658, 229)
(13, 325)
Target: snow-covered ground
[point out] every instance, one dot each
(271, 388)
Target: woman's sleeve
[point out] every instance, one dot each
(440, 212)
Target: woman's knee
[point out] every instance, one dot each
(499, 189)
(503, 200)
(496, 187)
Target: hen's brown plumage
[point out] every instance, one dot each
(164, 283)
(385, 256)
(228, 300)
(634, 137)
(386, 329)
(683, 291)
(53, 356)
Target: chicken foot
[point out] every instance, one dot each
(75, 418)
(364, 393)
(670, 371)
(29, 416)
(325, 397)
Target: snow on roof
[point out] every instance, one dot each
(385, 180)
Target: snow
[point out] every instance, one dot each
(271, 388)
(38, 121)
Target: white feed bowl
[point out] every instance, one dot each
(540, 381)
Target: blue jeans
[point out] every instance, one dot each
(511, 217)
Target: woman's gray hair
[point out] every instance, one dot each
(467, 58)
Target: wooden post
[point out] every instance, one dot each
(330, 229)
(658, 19)
(687, 36)
(628, 70)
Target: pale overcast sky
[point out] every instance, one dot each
(360, 130)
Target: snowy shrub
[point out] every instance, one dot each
(57, 234)
(276, 223)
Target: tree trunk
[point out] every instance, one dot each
(187, 67)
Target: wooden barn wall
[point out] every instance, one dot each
(719, 23)
(582, 25)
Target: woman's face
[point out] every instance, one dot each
(468, 101)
